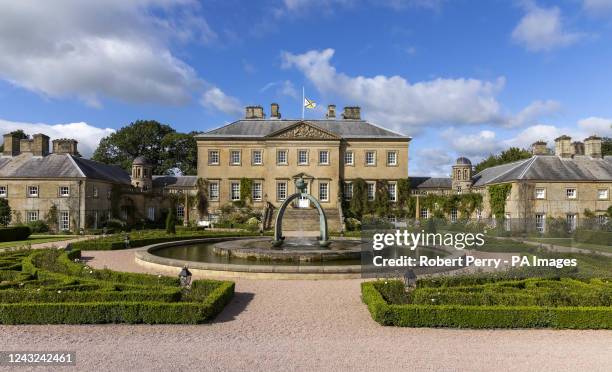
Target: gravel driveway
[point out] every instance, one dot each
(307, 325)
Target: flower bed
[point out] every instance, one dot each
(48, 287)
(526, 303)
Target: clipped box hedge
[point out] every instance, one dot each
(53, 289)
(463, 316)
(13, 233)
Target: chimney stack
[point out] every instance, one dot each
(352, 113)
(40, 145)
(25, 145)
(578, 148)
(563, 146)
(11, 145)
(275, 111)
(254, 112)
(592, 146)
(539, 148)
(65, 146)
(331, 112)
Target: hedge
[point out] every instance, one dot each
(53, 289)
(594, 237)
(116, 242)
(13, 233)
(461, 316)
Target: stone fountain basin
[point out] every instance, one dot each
(260, 249)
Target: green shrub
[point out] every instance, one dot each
(38, 227)
(594, 237)
(13, 233)
(461, 316)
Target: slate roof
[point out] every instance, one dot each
(430, 183)
(548, 168)
(345, 128)
(60, 166)
(175, 181)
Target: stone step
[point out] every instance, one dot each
(307, 219)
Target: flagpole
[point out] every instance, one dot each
(303, 100)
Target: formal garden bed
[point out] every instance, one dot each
(53, 287)
(573, 297)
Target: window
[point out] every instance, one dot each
(235, 191)
(213, 157)
(348, 190)
(3, 192)
(602, 194)
(602, 219)
(371, 190)
(324, 157)
(257, 157)
(391, 158)
(540, 193)
(324, 191)
(302, 157)
(281, 190)
(151, 213)
(145, 172)
(235, 157)
(392, 188)
(64, 191)
(348, 158)
(507, 222)
(540, 220)
(571, 221)
(95, 192)
(64, 221)
(571, 193)
(453, 215)
(180, 212)
(281, 157)
(424, 213)
(213, 191)
(257, 191)
(33, 191)
(370, 157)
(458, 189)
(32, 216)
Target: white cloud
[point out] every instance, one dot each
(88, 136)
(477, 145)
(595, 125)
(596, 7)
(548, 133)
(215, 99)
(530, 114)
(283, 87)
(433, 163)
(396, 102)
(101, 49)
(542, 29)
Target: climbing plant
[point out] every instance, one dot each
(202, 196)
(5, 212)
(358, 205)
(115, 197)
(246, 189)
(497, 198)
(51, 217)
(382, 205)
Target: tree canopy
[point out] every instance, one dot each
(606, 146)
(167, 150)
(506, 156)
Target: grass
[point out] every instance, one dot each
(36, 239)
(50, 287)
(569, 242)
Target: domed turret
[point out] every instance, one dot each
(463, 161)
(462, 175)
(142, 173)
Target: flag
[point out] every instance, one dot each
(309, 104)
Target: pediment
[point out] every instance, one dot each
(303, 130)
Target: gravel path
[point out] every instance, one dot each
(307, 325)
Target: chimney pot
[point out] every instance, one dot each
(275, 111)
(352, 112)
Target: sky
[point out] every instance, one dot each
(462, 77)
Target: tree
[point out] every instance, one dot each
(5, 213)
(142, 137)
(606, 146)
(171, 221)
(180, 153)
(359, 200)
(506, 156)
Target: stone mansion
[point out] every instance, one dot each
(272, 152)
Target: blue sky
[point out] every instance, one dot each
(462, 77)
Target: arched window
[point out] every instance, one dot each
(465, 174)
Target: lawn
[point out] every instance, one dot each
(36, 239)
(54, 287)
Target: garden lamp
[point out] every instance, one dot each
(185, 277)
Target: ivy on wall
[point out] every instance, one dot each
(497, 198)
(202, 196)
(441, 205)
(115, 198)
(246, 189)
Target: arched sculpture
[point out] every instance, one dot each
(278, 225)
